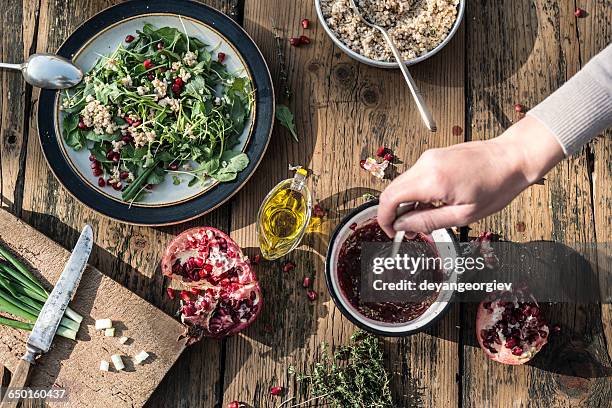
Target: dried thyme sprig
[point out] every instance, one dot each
(354, 376)
(284, 76)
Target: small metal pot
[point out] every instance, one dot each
(447, 246)
(385, 64)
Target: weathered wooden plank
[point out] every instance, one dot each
(129, 254)
(594, 34)
(344, 110)
(521, 52)
(17, 32)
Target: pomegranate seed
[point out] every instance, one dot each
(389, 157)
(82, 125)
(362, 163)
(97, 172)
(208, 268)
(116, 157)
(92, 157)
(149, 186)
(579, 12)
(288, 266)
(305, 23)
(127, 139)
(160, 45)
(95, 164)
(176, 88)
(517, 351)
(109, 182)
(123, 175)
(381, 151)
(151, 76)
(110, 154)
(170, 293)
(233, 404)
(117, 186)
(185, 296)
(276, 390)
(518, 108)
(304, 40)
(318, 211)
(353, 226)
(179, 81)
(195, 291)
(101, 182)
(173, 166)
(129, 38)
(295, 41)
(312, 295)
(129, 120)
(306, 282)
(147, 64)
(221, 56)
(136, 123)
(162, 69)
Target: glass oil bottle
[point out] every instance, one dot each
(284, 216)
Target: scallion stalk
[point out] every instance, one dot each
(23, 296)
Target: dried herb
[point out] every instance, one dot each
(354, 376)
(285, 117)
(284, 76)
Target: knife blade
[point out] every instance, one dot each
(53, 310)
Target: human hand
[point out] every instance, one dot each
(471, 180)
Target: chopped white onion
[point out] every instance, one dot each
(123, 339)
(117, 362)
(104, 365)
(140, 357)
(109, 332)
(104, 324)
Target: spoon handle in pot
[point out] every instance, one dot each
(416, 93)
(10, 66)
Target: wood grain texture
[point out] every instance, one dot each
(594, 34)
(521, 52)
(344, 111)
(75, 365)
(17, 33)
(126, 253)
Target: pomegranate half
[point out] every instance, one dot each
(509, 330)
(225, 296)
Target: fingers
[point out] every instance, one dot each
(429, 220)
(412, 186)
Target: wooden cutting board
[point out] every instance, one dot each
(74, 366)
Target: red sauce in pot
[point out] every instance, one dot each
(349, 277)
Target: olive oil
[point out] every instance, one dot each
(284, 216)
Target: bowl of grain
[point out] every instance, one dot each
(419, 28)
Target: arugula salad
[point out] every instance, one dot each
(162, 105)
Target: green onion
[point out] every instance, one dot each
(23, 296)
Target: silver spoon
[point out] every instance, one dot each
(48, 71)
(416, 93)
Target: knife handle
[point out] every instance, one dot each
(19, 379)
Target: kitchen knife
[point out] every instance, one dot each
(52, 312)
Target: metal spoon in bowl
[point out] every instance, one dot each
(48, 71)
(416, 93)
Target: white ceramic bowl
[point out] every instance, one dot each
(383, 64)
(446, 246)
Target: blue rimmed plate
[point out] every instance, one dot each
(101, 35)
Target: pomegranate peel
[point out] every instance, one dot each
(224, 296)
(510, 330)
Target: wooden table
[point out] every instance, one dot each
(506, 52)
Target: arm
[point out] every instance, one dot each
(476, 179)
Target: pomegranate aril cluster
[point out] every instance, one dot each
(302, 39)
